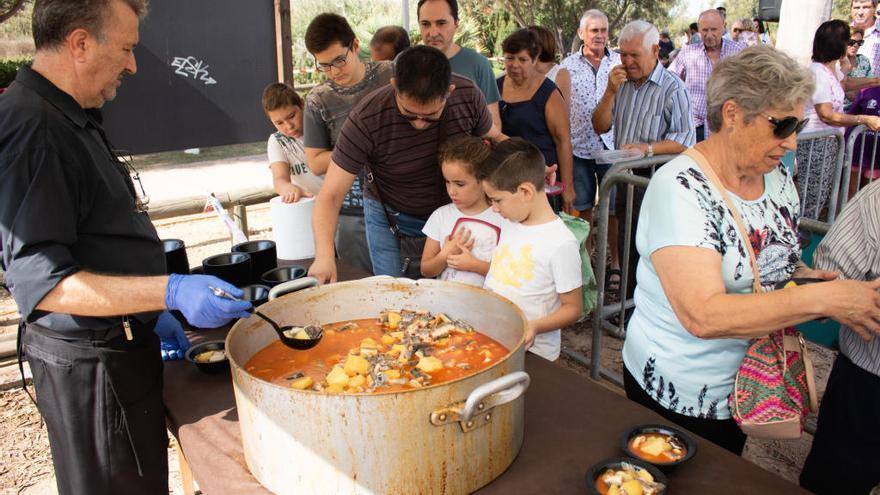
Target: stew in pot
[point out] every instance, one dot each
(400, 350)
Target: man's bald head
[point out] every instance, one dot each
(711, 25)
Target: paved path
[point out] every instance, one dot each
(195, 179)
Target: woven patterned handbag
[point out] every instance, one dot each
(775, 387)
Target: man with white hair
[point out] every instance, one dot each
(648, 106)
(694, 63)
(589, 68)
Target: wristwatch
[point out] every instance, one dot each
(650, 150)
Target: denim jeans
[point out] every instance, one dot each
(383, 246)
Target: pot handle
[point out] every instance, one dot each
(475, 411)
(292, 286)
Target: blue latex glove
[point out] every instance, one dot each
(192, 296)
(173, 341)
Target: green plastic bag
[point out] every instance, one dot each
(581, 230)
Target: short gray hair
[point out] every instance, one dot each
(641, 29)
(757, 78)
(53, 20)
(592, 14)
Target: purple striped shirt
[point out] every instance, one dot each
(694, 67)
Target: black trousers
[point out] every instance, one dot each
(102, 403)
(845, 457)
(722, 432)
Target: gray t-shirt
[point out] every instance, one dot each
(478, 69)
(327, 107)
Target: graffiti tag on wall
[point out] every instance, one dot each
(193, 67)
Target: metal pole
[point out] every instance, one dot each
(404, 14)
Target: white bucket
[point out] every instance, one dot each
(292, 228)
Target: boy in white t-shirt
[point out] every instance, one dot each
(537, 263)
(463, 234)
(291, 178)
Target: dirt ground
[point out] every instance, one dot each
(25, 463)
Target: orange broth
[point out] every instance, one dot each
(664, 457)
(276, 363)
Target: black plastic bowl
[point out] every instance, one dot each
(234, 268)
(282, 274)
(175, 257)
(614, 463)
(264, 257)
(210, 345)
(256, 294)
(684, 438)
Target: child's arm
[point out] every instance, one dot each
(569, 311)
(289, 192)
(434, 258)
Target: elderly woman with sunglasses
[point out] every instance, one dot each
(695, 311)
(824, 110)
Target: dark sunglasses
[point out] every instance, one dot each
(782, 128)
(413, 118)
(855, 42)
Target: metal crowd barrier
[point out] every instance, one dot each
(860, 165)
(808, 142)
(619, 174)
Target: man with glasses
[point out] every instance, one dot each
(393, 136)
(694, 63)
(438, 22)
(862, 15)
(332, 43)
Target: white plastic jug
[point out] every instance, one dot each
(292, 228)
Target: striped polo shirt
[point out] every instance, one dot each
(852, 247)
(658, 110)
(403, 159)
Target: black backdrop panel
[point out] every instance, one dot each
(768, 10)
(202, 66)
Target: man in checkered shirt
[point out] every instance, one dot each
(694, 63)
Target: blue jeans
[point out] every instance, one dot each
(383, 246)
(587, 176)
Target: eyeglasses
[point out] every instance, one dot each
(856, 42)
(736, 30)
(337, 63)
(784, 127)
(141, 198)
(412, 117)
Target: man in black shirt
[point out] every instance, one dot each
(83, 261)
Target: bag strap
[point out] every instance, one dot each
(710, 174)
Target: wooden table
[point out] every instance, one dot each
(571, 423)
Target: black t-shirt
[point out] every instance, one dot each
(66, 203)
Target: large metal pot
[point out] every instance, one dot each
(448, 438)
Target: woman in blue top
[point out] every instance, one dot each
(695, 312)
(532, 107)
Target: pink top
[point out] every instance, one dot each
(828, 90)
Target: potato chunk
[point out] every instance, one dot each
(337, 377)
(386, 339)
(357, 381)
(655, 446)
(301, 383)
(368, 343)
(430, 364)
(356, 365)
(632, 487)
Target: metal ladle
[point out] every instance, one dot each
(315, 333)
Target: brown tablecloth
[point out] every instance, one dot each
(571, 423)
